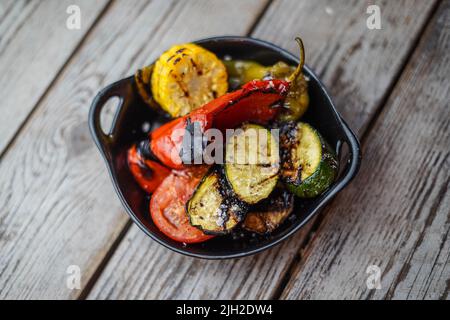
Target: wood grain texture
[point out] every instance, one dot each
(396, 214)
(13, 15)
(58, 205)
(34, 45)
(141, 269)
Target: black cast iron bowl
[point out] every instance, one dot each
(131, 123)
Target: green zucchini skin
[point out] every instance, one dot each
(252, 182)
(316, 184)
(213, 207)
(324, 174)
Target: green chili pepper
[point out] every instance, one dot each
(297, 100)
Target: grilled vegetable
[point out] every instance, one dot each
(148, 173)
(213, 207)
(255, 101)
(167, 205)
(308, 165)
(186, 77)
(267, 215)
(142, 79)
(243, 71)
(252, 163)
(297, 100)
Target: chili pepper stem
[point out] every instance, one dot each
(298, 71)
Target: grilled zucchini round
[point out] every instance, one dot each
(308, 165)
(186, 77)
(213, 208)
(252, 163)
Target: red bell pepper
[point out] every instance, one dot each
(147, 173)
(256, 101)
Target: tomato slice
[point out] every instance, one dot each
(147, 173)
(167, 205)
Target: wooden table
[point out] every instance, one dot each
(58, 208)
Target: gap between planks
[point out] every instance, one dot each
(258, 18)
(103, 263)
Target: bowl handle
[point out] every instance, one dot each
(104, 140)
(354, 161)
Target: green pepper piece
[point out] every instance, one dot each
(243, 71)
(297, 100)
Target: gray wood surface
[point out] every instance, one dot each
(349, 57)
(58, 205)
(34, 45)
(396, 214)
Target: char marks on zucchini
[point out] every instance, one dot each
(308, 164)
(252, 163)
(213, 208)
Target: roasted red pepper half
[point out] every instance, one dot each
(148, 173)
(256, 101)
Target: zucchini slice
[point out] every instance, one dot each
(308, 165)
(186, 77)
(252, 163)
(213, 208)
(267, 215)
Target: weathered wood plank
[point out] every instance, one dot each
(5, 7)
(58, 205)
(396, 214)
(141, 269)
(34, 45)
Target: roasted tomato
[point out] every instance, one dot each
(168, 205)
